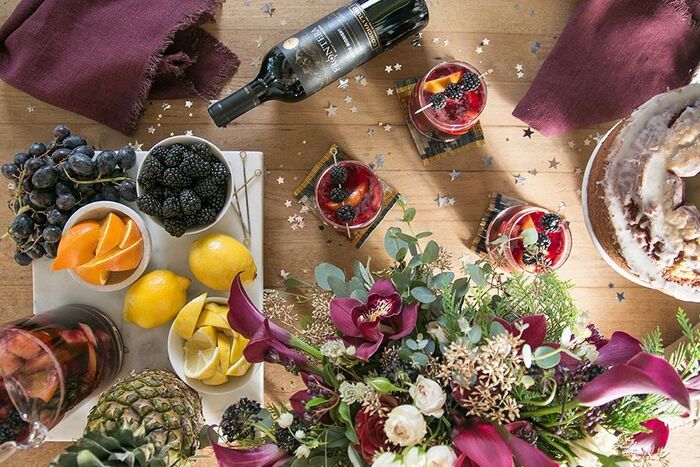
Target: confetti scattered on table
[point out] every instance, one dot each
(283, 22)
(572, 144)
(354, 109)
(30, 108)
(485, 41)
(454, 175)
(188, 104)
(536, 46)
(611, 285)
(188, 133)
(519, 179)
(527, 133)
(136, 146)
(370, 132)
(436, 40)
(533, 172)
(388, 68)
(446, 42)
(359, 78)
(256, 62)
(479, 50)
(363, 82)
(487, 160)
(586, 142)
(280, 180)
(519, 67)
(165, 106)
(260, 41)
(554, 163)
(390, 91)
(379, 160)
(151, 130)
(268, 8)
(348, 99)
(388, 128)
(451, 200)
(398, 67)
(441, 201)
(287, 204)
(578, 170)
(331, 110)
(344, 84)
(620, 296)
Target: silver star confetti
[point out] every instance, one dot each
(344, 84)
(479, 50)
(436, 40)
(388, 68)
(256, 62)
(451, 201)
(485, 41)
(331, 110)
(536, 46)
(554, 163)
(363, 82)
(519, 179)
(165, 106)
(586, 142)
(441, 201)
(151, 130)
(486, 161)
(379, 160)
(260, 41)
(370, 132)
(390, 91)
(136, 146)
(268, 8)
(348, 99)
(398, 67)
(280, 180)
(30, 108)
(519, 67)
(446, 42)
(188, 133)
(520, 75)
(354, 109)
(359, 78)
(188, 104)
(578, 170)
(387, 128)
(287, 204)
(283, 22)
(454, 175)
(571, 144)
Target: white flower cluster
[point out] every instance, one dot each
(356, 393)
(436, 456)
(335, 349)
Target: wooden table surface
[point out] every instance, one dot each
(294, 136)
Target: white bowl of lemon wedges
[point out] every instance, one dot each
(205, 352)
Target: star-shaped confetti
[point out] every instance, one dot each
(331, 110)
(390, 91)
(283, 22)
(363, 82)
(268, 8)
(519, 67)
(188, 104)
(620, 296)
(348, 99)
(344, 84)
(260, 41)
(284, 274)
(388, 68)
(578, 170)
(611, 285)
(359, 78)
(441, 201)
(398, 67)
(388, 128)
(446, 42)
(572, 144)
(454, 175)
(256, 62)
(354, 109)
(479, 50)
(280, 180)
(486, 161)
(436, 40)
(287, 204)
(533, 172)
(554, 163)
(30, 108)
(527, 133)
(520, 75)
(451, 200)
(519, 179)
(370, 132)
(151, 130)
(188, 133)
(485, 41)
(136, 146)
(379, 160)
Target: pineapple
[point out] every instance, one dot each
(150, 418)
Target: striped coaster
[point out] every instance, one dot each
(306, 194)
(497, 204)
(431, 150)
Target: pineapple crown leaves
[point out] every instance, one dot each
(119, 448)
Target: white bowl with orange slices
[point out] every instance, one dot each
(105, 246)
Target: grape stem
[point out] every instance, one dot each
(99, 180)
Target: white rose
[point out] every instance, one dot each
(603, 442)
(386, 459)
(441, 456)
(285, 420)
(414, 458)
(428, 397)
(302, 451)
(405, 426)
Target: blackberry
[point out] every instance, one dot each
(339, 174)
(346, 213)
(454, 91)
(470, 81)
(438, 100)
(551, 222)
(174, 178)
(150, 205)
(239, 419)
(175, 226)
(207, 215)
(172, 157)
(218, 201)
(339, 194)
(219, 173)
(203, 151)
(159, 152)
(152, 168)
(206, 188)
(285, 436)
(543, 240)
(194, 166)
(148, 183)
(171, 208)
(157, 192)
(190, 202)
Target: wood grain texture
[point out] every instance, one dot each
(293, 137)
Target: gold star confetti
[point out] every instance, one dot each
(151, 130)
(331, 110)
(388, 68)
(188, 104)
(136, 146)
(479, 50)
(390, 91)
(280, 180)
(260, 41)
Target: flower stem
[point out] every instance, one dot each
(303, 346)
(551, 410)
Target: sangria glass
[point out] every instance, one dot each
(49, 363)
(448, 101)
(553, 239)
(349, 195)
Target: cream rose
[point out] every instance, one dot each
(405, 426)
(386, 459)
(414, 457)
(440, 456)
(603, 442)
(428, 397)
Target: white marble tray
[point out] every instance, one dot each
(148, 348)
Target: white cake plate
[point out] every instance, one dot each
(148, 348)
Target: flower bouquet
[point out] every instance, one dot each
(414, 365)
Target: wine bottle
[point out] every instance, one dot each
(325, 51)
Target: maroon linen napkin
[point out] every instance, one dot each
(102, 58)
(612, 56)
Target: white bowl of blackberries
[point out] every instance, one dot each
(52, 181)
(184, 184)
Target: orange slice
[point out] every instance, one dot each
(131, 234)
(353, 199)
(77, 246)
(119, 260)
(92, 275)
(440, 84)
(528, 223)
(111, 234)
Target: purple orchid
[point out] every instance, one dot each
(534, 329)
(651, 441)
(693, 387)
(384, 315)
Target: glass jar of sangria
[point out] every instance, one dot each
(49, 363)
(528, 238)
(349, 195)
(448, 101)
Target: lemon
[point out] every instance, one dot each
(155, 299)
(217, 318)
(239, 343)
(186, 320)
(216, 259)
(218, 378)
(202, 339)
(239, 368)
(201, 364)
(223, 342)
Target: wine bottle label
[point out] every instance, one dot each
(332, 47)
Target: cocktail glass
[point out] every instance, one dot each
(360, 194)
(452, 116)
(506, 244)
(49, 363)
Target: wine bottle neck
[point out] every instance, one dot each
(238, 103)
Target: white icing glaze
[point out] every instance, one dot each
(657, 236)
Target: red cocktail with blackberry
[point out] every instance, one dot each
(49, 363)
(529, 238)
(349, 195)
(448, 101)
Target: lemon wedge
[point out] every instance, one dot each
(186, 320)
(216, 318)
(201, 364)
(218, 378)
(223, 342)
(239, 368)
(239, 343)
(203, 338)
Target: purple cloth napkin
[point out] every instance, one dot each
(102, 58)
(612, 56)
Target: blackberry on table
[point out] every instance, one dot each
(159, 152)
(174, 178)
(152, 168)
(339, 174)
(454, 91)
(150, 205)
(148, 183)
(10, 428)
(206, 188)
(438, 100)
(194, 166)
(339, 194)
(543, 240)
(175, 226)
(219, 173)
(551, 222)
(470, 81)
(171, 208)
(190, 202)
(346, 213)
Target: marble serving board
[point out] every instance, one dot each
(148, 348)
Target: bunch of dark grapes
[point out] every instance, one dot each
(183, 186)
(52, 181)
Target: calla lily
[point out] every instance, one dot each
(642, 374)
(535, 329)
(651, 441)
(245, 318)
(619, 349)
(264, 347)
(384, 315)
(267, 455)
(693, 387)
(483, 444)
